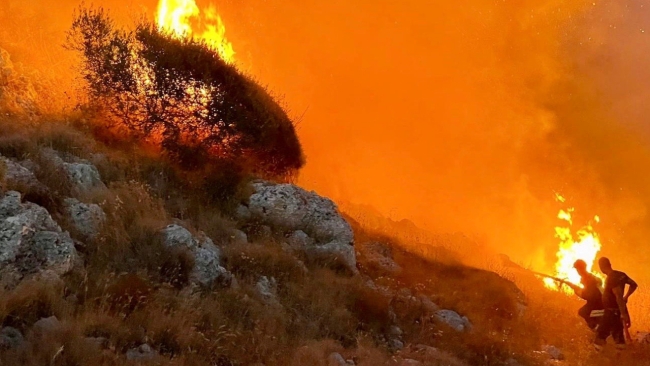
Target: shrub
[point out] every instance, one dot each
(181, 95)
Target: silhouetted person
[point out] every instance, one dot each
(616, 317)
(591, 292)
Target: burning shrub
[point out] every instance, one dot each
(179, 94)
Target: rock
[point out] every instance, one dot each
(207, 256)
(239, 236)
(142, 353)
(31, 242)
(428, 306)
(267, 290)
(243, 213)
(17, 175)
(98, 342)
(335, 359)
(378, 258)
(87, 219)
(395, 344)
(298, 240)
(265, 231)
(46, 325)
(394, 330)
(83, 176)
(290, 208)
(454, 320)
(10, 338)
(553, 352)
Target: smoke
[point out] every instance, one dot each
(460, 116)
(467, 116)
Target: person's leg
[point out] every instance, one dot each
(618, 332)
(585, 313)
(604, 329)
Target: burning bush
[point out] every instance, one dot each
(178, 93)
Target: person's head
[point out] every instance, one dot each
(581, 267)
(605, 265)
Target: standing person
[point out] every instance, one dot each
(591, 291)
(616, 318)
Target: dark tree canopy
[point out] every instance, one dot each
(182, 95)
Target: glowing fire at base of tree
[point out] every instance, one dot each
(183, 18)
(585, 245)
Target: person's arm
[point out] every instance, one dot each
(577, 289)
(625, 317)
(631, 289)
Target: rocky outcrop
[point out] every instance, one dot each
(31, 241)
(82, 174)
(319, 230)
(18, 176)
(87, 219)
(207, 256)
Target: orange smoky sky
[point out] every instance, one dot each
(458, 115)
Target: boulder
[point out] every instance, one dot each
(46, 325)
(87, 219)
(396, 331)
(335, 359)
(31, 242)
(454, 320)
(239, 236)
(207, 256)
(83, 176)
(395, 344)
(289, 208)
(428, 306)
(18, 176)
(142, 353)
(10, 338)
(267, 290)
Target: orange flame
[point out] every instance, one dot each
(176, 16)
(586, 247)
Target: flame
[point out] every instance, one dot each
(176, 16)
(585, 246)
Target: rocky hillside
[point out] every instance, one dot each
(109, 256)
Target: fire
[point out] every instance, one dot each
(183, 18)
(585, 245)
